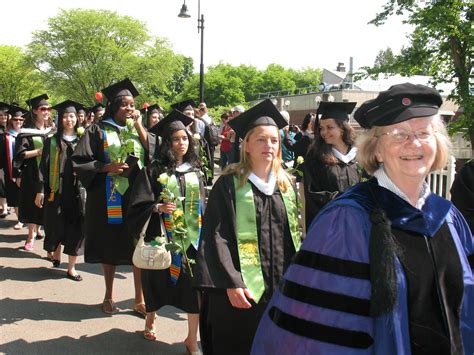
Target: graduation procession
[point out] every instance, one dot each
(343, 250)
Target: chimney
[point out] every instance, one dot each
(341, 67)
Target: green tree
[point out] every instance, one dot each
(440, 46)
(83, 51)
(306, 80)
(276, 78)
(19, 80)
(385, 57)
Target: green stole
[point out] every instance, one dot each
(191, 212)
(37, 144)
(113, 140)
(53, 168)
(247, 237)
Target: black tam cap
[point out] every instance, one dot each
(263, 114)
(17, 111)
(67, 106)
(38, 101)
(97, 107)
(4, 107)
(175, 121)
(122, 88)
(152, 109)
(335, 110)
(82, 109)
(397, 104)
(183, 105)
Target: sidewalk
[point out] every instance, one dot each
(43, 312)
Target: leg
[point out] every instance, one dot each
(191, 339)
(139, 305)
(57, 256)
(71, 269)
(109, 275)
(30, 240)
(19, 225)
(150, 331)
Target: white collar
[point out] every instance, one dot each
(346, 158)
(35, 130)
(384, 180)
(69, 138)
(184, 167)
(268, 188)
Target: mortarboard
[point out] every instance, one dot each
(183, 105)
(397, 104)
(122, 88)
(335, 110)
(4, 107)
(97, 107)
(67, 106)
(263, 114)
(175, 121)
(17, 111)
(38, 101)
(152, 109)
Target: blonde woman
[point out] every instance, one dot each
(250, 233)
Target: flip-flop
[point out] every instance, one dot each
(109, 303)
(140, 309)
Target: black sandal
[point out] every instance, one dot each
(56, 262)
(74, 277)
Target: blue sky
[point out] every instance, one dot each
(295, 34)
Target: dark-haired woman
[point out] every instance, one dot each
(108, 241)
(60, 196)
(330, 166)
(177, 168)
(28, 150)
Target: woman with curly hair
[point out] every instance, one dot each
(176, 168)
(330, 165)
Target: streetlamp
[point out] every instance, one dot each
(184, 13)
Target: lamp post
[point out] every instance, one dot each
(184, 13)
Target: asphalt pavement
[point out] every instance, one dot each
(44, 312)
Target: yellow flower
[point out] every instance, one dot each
(80, 131)
(163, 179)
(177, 213)
(197, 136)
(300, 160)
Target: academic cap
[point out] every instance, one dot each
(17, 111)
(38, 101)
(67, 106)
(4, 107)
(97, 107)
(181, 106)
(152, 109)
(122, 88)
(397, 104)
(335, 110)
(263, 114)
(175, 121)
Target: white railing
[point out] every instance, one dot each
(440, 181)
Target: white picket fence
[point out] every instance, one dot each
(440, 181)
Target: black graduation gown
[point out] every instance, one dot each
(225, 329)
(462, 192)
(158, 289)
(323, 183)
(28, 170)
(11, 189)
(3, 172)
(105, 243)
(62, 217)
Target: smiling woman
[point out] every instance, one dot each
(387, 267)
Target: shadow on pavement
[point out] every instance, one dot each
(115, 341)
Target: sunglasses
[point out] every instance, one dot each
(44, 109)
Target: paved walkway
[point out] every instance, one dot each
(43, 312)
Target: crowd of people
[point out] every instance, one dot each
(312, 240)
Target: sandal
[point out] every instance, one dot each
(108, 306)
(150, 332)
(18, 226)
(140, 309)
(56, 262)
(29, 246)
(76, 277)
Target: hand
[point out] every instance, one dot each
(18, 182)
(39, 151)
(39, 200)
(116, 168)
(137, 118)
(239, 297)
(167, 207)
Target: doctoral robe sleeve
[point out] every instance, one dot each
(22, 145)
(88, 156)
(323, 305)
(144, 196)
(218, 264)
(462, 192)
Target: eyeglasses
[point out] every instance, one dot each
(44, 109)
(401, 136)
